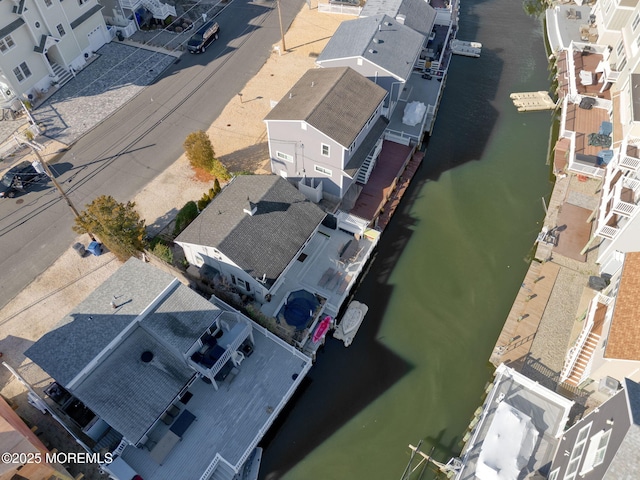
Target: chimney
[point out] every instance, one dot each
(251, 208)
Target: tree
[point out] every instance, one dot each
(185, 216)
(199, 151)
(117, 225)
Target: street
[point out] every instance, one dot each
(122, 154)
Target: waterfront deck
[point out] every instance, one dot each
(574, 231)
(392, 161)
(521, 326)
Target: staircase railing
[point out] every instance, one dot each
(574, 352)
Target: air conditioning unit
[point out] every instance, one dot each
(608, 385)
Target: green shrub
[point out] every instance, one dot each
(163, 252)
(186, 215)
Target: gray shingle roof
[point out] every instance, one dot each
(419, 15)
(336, 101)
(93, 324)
(265, 242)
(129, 394)
(380, 39)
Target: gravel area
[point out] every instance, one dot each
(118, 74)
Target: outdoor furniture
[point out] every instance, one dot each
(182, 423)
(162, 449)
(351, 252)
(326, 276)
(606, 128)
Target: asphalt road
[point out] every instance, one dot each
(129, 149)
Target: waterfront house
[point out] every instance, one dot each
(608, 345)
(617, 217)
(515, 433)
(151, 371)
(42, 43)
(250, 232)
(416, 14)
(603, 445)
(379, 48)
(326, 131)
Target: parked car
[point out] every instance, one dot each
(18, 179)
(206, 34)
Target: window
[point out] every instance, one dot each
(636, 22)
(6, 44)
(22, 71)
(576, 453)
(602, 448)
(48, 3)
(554, 474)
(60, 30)
(82, 2)
(620, 48)
(324, 149)
(322, 170)
(284, 156)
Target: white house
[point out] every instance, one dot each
(251, 231)
(44, 41)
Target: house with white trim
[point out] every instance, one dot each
(42, 42)
(151, 372)
(326, 132)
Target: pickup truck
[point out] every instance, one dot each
(206, 34)
(18, 178)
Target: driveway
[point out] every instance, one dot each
(115, 76)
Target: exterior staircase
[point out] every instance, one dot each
(109, 441)
(62, 76)
(367, 166)
(584, 357)
(223, 472)
(158, 9)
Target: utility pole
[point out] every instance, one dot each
(55, 183)
(284, 48)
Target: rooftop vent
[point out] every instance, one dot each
(251, 208)
(376, 40)
(388, 24)
(146, 356)
(371, 50)
(401, 18)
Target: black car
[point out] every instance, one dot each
(206, 34)
(18, 178)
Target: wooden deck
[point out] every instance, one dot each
(519, 330)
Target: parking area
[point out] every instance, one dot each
(117, 74)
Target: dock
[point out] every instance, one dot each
(532, 101)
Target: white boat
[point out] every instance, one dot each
(350, 322)
(469, 49)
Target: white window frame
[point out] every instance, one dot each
(322, 170)
(576, 453)
(636, 22)
(284, 156)
(322, 148)
(22, 72)
(48, 3)
(61, 30)
(554, 475)
(7, 43)
(602, 449)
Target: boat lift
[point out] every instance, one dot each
(450, 468)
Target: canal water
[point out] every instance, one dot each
(445, 274)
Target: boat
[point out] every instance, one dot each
(350, 322)
(322, 329)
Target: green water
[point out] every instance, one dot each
(446, 273)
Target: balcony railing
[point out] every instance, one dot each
(574, 352)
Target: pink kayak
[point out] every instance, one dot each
(322, 329)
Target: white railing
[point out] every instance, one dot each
(608, 232)
(574, 352)
(211, 468)
(586, 169)
(398, 137)
(130, 4)
(339, 9)
(158, 9)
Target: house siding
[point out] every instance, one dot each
(199, 255)
(304, 146)
(42, 20)
(289, 138)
